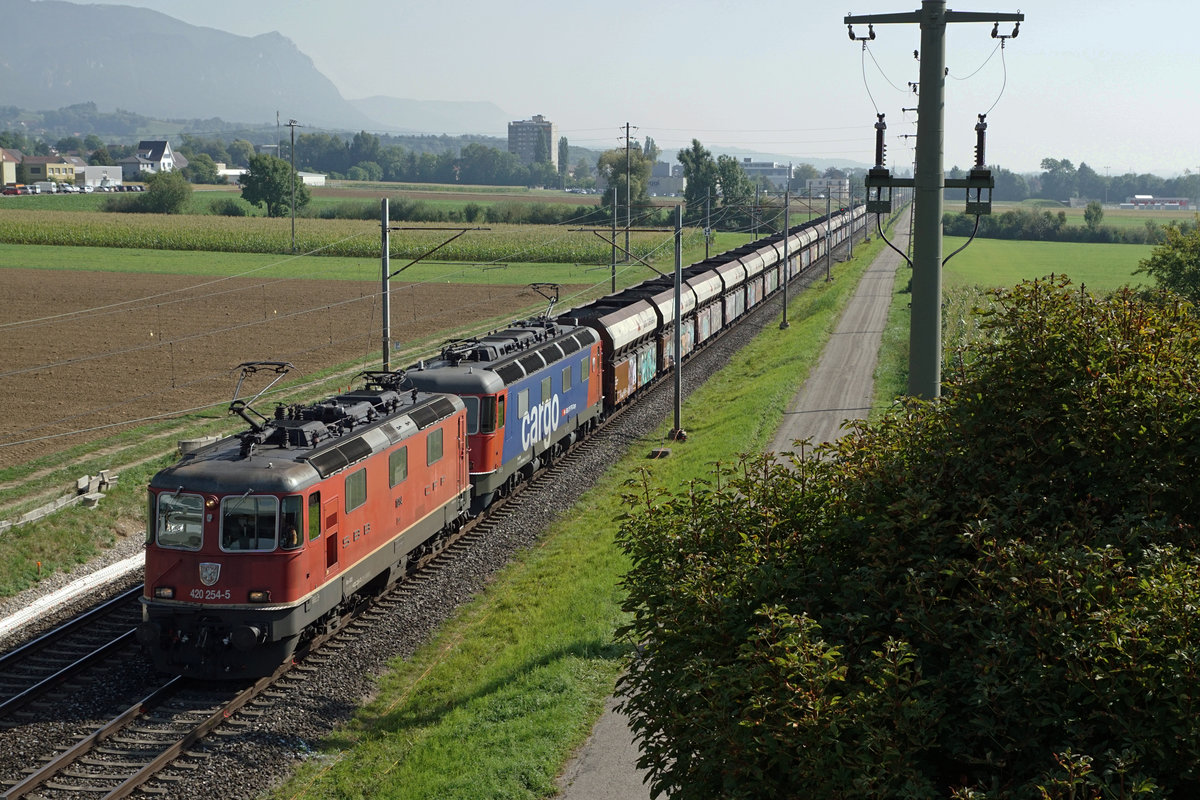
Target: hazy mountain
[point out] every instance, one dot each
(435, 116)
(120, 57)
(144, 61)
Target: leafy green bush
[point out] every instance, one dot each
(991, 596)
(228, 207)
(1175, 264)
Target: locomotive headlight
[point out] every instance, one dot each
(164, 592)
(260, 596)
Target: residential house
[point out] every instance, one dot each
(9, 161)
(152, 156)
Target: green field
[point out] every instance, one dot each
(997, 262)
(1113, 217)
(266, 265)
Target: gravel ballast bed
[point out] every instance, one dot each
(255, 757)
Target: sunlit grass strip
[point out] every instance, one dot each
(991, 263)
(333, 237)
(495, 704)
(1003, 262)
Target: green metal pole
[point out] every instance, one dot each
(925, 336)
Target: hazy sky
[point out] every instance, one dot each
(1111, 84)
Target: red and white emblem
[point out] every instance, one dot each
(210, 572)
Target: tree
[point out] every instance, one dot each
(986, 597)
(268, 181)
(202, 169)
(564, 158)
(1093, 214)
(1175, 264)
(69, 144)
(1058, 179)
(100, 157)
(612, 168)
(1088, 183)
(240, 151)
(651, 150)
(801, 175)
(541, 152)
(700, 170)
(735, 185)
(1009, 185)
(167, 192)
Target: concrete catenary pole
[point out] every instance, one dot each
(787, 231)
(678, 336)
(925, 332)
(385, 246)
(925, 337)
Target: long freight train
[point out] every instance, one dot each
(260, 540)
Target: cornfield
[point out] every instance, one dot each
(346, 238)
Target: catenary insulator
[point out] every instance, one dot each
(880, 147)
(980, 143)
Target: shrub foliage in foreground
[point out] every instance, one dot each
(991, 596)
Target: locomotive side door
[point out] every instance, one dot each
(331, 534)
(460, 471)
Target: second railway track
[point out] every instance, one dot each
(265, 739)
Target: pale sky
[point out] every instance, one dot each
(1106, 83)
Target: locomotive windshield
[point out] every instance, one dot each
(180, 520)
(472, 404)
(481, 413)
(249, 522)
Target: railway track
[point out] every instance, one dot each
(87, 641)
(163, 730)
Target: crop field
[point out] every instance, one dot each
(997, 262)
(87, 353)
(347, 238)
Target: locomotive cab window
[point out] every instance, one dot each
(472, 404)
(487, 415)
(500, 411)
(180, 520)
(248, 523)
(290, 523)
(522, 403)
(433, 447)
(584, 368)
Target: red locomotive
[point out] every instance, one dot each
(259, 539)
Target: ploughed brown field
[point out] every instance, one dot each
(84, 353)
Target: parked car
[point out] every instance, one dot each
(87, 189)
(12, 188)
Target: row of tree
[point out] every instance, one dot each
(1061, 180)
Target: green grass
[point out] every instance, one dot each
(495, 704)
(990, 263)
(996, 262)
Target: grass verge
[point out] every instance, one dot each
(495, 704)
